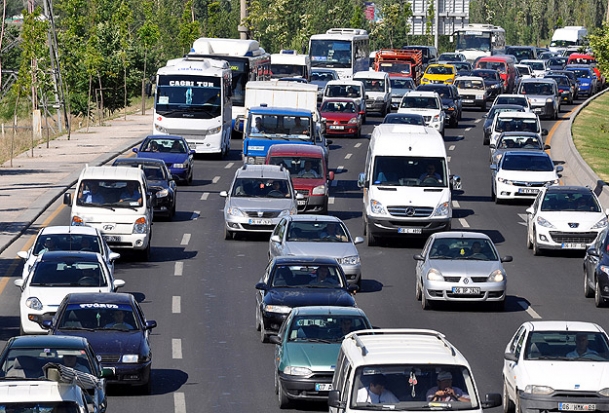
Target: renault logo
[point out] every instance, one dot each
(466, 281)
(410, 211)
(108, 227)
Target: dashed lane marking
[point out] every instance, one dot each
(451, 148)
(478, 120)
(348, 156)
(357, 145)
(215, 180)
(195, 215)
(176, 348)
(185, 239)
(179, 402)
(529, 310)
(463, 223)
(456, 204)
(229, 165)
(178, 268)
(448, 159)
(176, 304)
(330, 200)
(204, 196)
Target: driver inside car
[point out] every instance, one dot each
(430, 172)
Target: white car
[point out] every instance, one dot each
(52, 277)
(565, 218)
(521, 174)
(515, 122)
(556, 366)
(472, 91)
(425, 103)
(68, 238)
(525, 71)
(539, 67)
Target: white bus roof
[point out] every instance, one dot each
(195, 66)
(341, 34)
(226, 47)
(479, 26)
(284, 58)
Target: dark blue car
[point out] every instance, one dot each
(596, 270)
(116, 328)
(588, 83)
(174, 150)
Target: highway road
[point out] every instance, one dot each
(200, 288)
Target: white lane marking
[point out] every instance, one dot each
(179, 403)
(195, 215)
(526, 307)
(348, 156)
(468, 129)
(448, 159)
(176, 304)
(357, 145)
(523, 218)
(178, 269)
(463, 223)
(215, 180)
(176, 348)
(185, 239)
(456, 204)
(330, 200)
(478, 120)
(339, 168)
(451, 148)
(204, 196)
(229, 165)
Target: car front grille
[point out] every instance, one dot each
(427, 119)
(265, 214)
(405, 211)
(529, 184)
(458, 279)
(249, 227)
(468, 97)
(304, 192)
(110, 358)
(573, 237)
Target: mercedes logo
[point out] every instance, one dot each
(409, 211)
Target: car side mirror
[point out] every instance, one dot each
(544, 132)
(22, 254)
(529, 210)
(136, 150)
(113, 256)
(592, 251)
(545, 147)
(261, 286)
(358, 240)
(492, 146)
(418, 257)
(46, 324)
(118, 284)
(331, 175)
(150, 324)
(510, 356)
(275, 340)
(223, 194)
(18, 282)
(559, 168)
(334, 399)
(507, 258)
(275, 238)
(67, 199)
(192, 152)
(493, 167)
(361, 180)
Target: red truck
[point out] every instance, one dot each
(400, 62)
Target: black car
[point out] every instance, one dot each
(572, 78)
(451, 101)
(160, 182)
(404, 119)
(488, 118)
(115, 326)
(557, 63)
(596, 269)
(565, 88)
(463, 68)
(298, 281)
(492, 81)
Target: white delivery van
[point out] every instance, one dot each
(378, 91)
(407, 183)
(116, 200)
(353, 89)
(420, 371)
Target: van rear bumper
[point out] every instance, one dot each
(409, 228)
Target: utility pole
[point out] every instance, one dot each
(243, 32)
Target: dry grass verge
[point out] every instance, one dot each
(591, 135)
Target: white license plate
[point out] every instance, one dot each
(537, 110)
(466, 290)
(410, 231)
(323, 386)
(572, 246)
(112, 238)
(192, 145)
(334, 127)
(468, 101)
(528, 190)
(301, 202)
(260, 222)
(576, 407)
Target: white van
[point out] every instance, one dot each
(419, 369)
(407, 183)
(353, 89)
(116, 200)
(377, 89)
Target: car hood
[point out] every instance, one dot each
(566, 375)
(303, 297)
(420, 111)
(168, 157)
(338, 116)
(528, 176)
(562, 219)
(307, 183)
(255, 204)
(465, 267)
(52, 296)
(109, 341)
(540, 98)
(319, 357)
(491, 82)
(324, 249)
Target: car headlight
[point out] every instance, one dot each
(533, 389)
(351, 260)
(379, 99)
(604, 392)
(549, 100)
(436, 118)
(504, 181)
(442, 210)
(544, 222)
(496, 86)
(179, 166)
(449, 81)
(496, 276)
(600, 224)
(376, 207)
(279, 309)
(553, 182)
(424, 79)
(497, 157)
(353, 120)
(285, 212)
(297, 371)
(236, 212)
(162, 193)
(213, 131)
(319, 190)
(434, 275)
(604, 268)
(33, 303)
(450, 108)
(140, 226)
(130, 358)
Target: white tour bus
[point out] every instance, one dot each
(345, 50)
(477, 40)
(193, 100)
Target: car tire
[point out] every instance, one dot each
(486, 141)
(190, 177)
(529, 244)
(228, 235)
(508, 405)
(282, 398)
(536, 249)
(599, 301)
(493, 197)
(144, 255)
(264, 338)
(417, 290)
(588, 292)
(146, 389)
(370, 239)
(425, 303)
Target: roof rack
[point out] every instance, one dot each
(396, 331)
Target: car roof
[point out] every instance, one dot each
(112, 172)
(422, 93)
(44, 341)
(461, 234)
(520, 115)
(304, 260)
(166, 137)
(272, 111)
(540, 154)
(569, 189)
(328, 310)
(99, 298)
(512, 133)
(139, 161)
(470, 78)
(507, 106)
(403, 115)
(296, 149)
(433, 86)
(313, 217)
(69, 229)
(370, 74)
(58, 256)
(564, 325)
(262, 171)
(537, 80)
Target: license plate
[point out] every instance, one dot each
(301, 202)
(260, 222)
(112, 238)
(528, 190)
(323, 386)
(334, 127)
(466, 290)
(410, 231)
(192, 145)
(576, 407)
(537, 110)
(573, 246)
(468, 101)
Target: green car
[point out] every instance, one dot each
(307, 347)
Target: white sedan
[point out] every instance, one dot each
(556, 366)
(53, 276)
(564, 218)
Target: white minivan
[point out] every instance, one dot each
(378, 91)
(116, 200)
(407, 183)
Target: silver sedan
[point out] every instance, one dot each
(460, 266)
(318, 236)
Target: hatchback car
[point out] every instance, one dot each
(509, 141)
(512, 99)
(67, 238)
(53, 276)
(290, 282)
(174, 150)
(160, 183)
(564, 218)
(307, 347)
(515, 122)
(341, 117)
(318, 236)
(404, 119)
(588, 82)
(452, 105)
(489, 119)
(521, 175)
(596, 269)
(439, 73)
(572, 78)
(565, 88)
(459, 267)
(400, 85)
(556, 366)
(543, 95)
(115, 326)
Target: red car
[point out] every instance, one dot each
(342, 117)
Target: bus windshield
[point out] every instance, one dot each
(473, 41)
(199, 96)
(331, 53)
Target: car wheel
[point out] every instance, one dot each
(417, 290)
(486, 140)
(493, 197)
(599, 301)
(370, 239)
(146, 389)
(258, 326)
(425, 303)
(282, 398)
(508, 405)
(529, 243)
(536, 249)
(189, 180)
(144, 254)
(228, 235)
(264, 338)
(588, 292)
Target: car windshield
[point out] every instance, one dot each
(68, 273)
(463, 248)
(98, 316)
(300, 167)
(440, 70)
(517, 162)
(560, 201)
(295, 128)
(164, 145)
(394, 67)
(519, 142)
(420, 102)
(343, 107)
(486, 75)
(154, 173)
(409, 171)
(109, 193)
(343, 91)
(566, 345)
(261, 188)
(324, 328)
(317, 231)
(67, 242)
(582, 73)
(413, 387)
(524, 70)
(405, 119)
(402, 84)
(511, 100)
(28, 362)
(313, 276)
(40, 407)
(537, 89)
(507, 124)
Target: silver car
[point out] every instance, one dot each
(460, 266)
(318, 236)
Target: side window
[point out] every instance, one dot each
(520, 343)
(267, 273)
(280, 229)
(514, 342)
